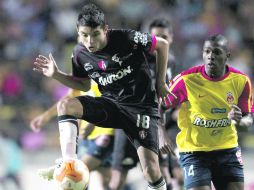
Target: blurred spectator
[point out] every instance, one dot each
(11, 163)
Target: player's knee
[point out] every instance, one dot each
(68, 106)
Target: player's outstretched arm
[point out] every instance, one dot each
(48, 67)
(162, 48)
(242, 123)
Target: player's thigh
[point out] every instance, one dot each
(100, 111)
(124, 154)
(197, 173)
(142, 131)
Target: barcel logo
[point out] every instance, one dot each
(114, 77)
(213, 123)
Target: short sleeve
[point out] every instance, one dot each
(140, 40)
(77, 67)
(245, 101)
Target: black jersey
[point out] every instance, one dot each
(120, 69)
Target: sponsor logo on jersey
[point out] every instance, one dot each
(218, 110)
(213, 123)
(140, 38)
(88, 66)
(230, 97)
(102, 65)
(115, 58)
(95, 75)
(109, 79)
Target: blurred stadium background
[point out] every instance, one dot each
(30, 27)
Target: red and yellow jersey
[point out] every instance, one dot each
(205, 103)
(94, 91)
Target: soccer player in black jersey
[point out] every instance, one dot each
(116, 60)
(124, 156)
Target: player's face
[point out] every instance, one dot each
(94, 39)
(162, 32)
(215, 57)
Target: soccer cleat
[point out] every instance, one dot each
(48, 173)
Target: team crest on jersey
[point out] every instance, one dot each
(102, 65)
(230, 97)
(142, 134)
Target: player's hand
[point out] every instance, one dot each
(46, 66)
(165, 144)
(37, 123)
(164, 94)
(235, 114)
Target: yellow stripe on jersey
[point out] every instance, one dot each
(94, 91)
(202, 119)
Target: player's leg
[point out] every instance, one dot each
(118, 179)
(93, 110)
(97, 156)
(99, 179)
(164, 165)
(197, 170)
(228, 170)
(176, 171)
(144, 135)
(69, 110)
(97, 151)
(124, 158)
(151, 169)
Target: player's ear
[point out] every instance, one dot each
(105, 28)
(77, 28)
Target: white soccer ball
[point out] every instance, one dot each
(72, 175)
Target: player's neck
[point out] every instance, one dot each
(216, 75)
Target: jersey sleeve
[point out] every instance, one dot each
(138, 40)
(245, 101)
(77, 68)
(178, 88)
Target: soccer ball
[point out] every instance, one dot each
(71, 175)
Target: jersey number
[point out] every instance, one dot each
(190, 171)
(143, 121)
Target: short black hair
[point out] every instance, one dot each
(161, 22)
(91, 16)
(219, 40)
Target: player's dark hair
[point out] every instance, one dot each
(91, 16)
(161, 22)
(220, 40)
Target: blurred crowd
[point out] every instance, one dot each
(32, 27)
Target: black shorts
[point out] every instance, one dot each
(142, 130)
(125, 156)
